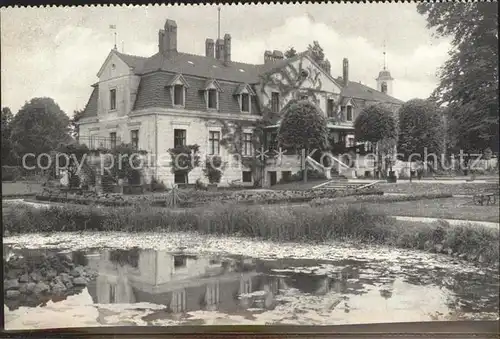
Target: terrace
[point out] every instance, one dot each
(98, 142)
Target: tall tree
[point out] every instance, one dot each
(77, 115)
(469, 79)
(8, 154)
(290, 53)
(376, 124)
(40, 126)
(421, 129)
(303, 127)
(317, 52)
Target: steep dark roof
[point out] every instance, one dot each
(360, 91)
(91, 107)
(134, 61)
(202, 66)
(152, 92)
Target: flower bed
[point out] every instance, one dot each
(380, 199)
(193, 198)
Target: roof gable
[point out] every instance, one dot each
(357, 90)
(178, 79)
(212, 84)
(244, 88)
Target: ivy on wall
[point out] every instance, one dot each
(289, 81)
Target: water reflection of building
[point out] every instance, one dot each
(180, 282)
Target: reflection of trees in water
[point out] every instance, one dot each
(386, 293)
(125, 257)
(472, 292)
(79, 258)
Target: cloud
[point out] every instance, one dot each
(62, 62)
(414, 72)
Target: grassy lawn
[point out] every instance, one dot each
(20, 188)
(446, 208)
(422, 188)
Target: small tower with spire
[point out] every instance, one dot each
(384, 79)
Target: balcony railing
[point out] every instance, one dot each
(96, 142)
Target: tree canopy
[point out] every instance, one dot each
(316, 51)
(303, 126)
(8, 154)
(375, 123)
(77, 115)
(469, 79)
(290, 53)
(40, 126)
(420, 127)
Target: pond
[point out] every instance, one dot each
(137, 286)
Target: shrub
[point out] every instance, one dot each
(157, 186)
(200, 185)
(298, 223)
(10, 173)
(213, 169)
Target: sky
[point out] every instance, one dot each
(57, 51)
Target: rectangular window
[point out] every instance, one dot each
(180, 178)
(272, 141)
(350, 142)
(134, 138)
(112, 140)
(112, 99)
(112, 294)
(245, 286)
(179, 261)
(212, 99)
(212, 294)
(214, 143)
(342, 112)
(179, 95)
(275, 102)
(246, 176)
(329, 108)
(304, 97)
(247, 144)
(245, 102)
(349, 113)
(286, 176)
(178, 303)
(179, 137)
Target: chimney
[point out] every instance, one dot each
(168, 44)
(345, 71)
(268, 57)
(277, 55)
(227, 48)
(219, 49)
(161, 40)
(209, 48)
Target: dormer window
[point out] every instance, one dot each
(212, 99)
(244, 93)
(212, 89)
(245, 102)
(349, 113)
(178, 87)
(179, 95)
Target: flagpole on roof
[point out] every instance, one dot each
(113, 27)
(218, 23)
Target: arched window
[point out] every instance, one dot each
(384, 87)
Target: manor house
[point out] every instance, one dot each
(172, 99)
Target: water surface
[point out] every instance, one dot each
(158, 287)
